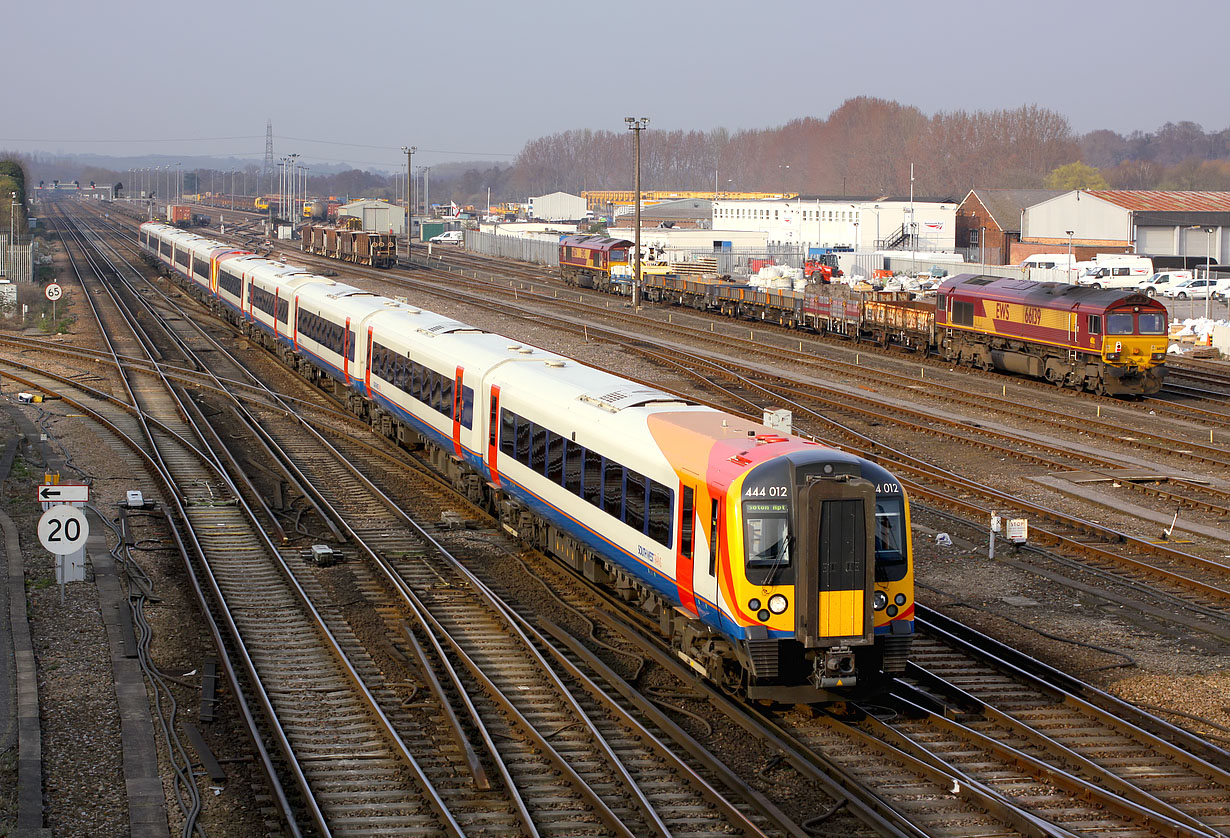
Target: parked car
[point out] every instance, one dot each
(1192, 289)
(448, 237)
(1156, 283)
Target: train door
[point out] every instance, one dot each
(836, 570)
(706, 529)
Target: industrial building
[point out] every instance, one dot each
(686, 213)
(859, 223)
(377, 216)
(557, 206)
(1156, 223)
(989, 222)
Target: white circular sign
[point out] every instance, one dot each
(53, 291)
(63, 529)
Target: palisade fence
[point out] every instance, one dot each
(537, 251)
(16, 261)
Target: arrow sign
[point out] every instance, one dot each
(64, 493)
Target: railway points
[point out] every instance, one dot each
(1011, 814)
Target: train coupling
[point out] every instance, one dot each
(835, 668)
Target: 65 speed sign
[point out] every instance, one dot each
(53, 291)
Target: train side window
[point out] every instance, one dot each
(508, 431)
(572, 467)
(1095, 324)
(613, 489)
(962, 313)
(538, 449)
(446, 396)
(525, 433)
(555, 457)
(713, 537)
(661, 518)
(634, 501)
(686, 546)
(434, 398)
(593, 478)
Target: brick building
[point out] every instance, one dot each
(989, 222)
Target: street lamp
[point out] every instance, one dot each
(179, 186)
(1070, 233)
(1208, 269)
(408, 150)
(637, 125)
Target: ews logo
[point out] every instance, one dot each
(1032, 314)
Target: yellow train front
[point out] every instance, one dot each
(596, 262)
(798, 562)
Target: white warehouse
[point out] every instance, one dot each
(861, 223)
(558, 206)
(1157, 223)
(377, 216)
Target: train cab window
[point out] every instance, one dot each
(619, 256)
(634, 501)
(713, 537)
(592, 490)
(891, 562)
(573, 463)
(613, 488)
(766, 538)
(1095, 324)
(1119, 324)
(1151, 323)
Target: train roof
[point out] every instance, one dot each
(1043, 294)
(595, 242)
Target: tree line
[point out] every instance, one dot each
(865, 147)
(12, 196)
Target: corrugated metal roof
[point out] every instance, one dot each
(1143, 200)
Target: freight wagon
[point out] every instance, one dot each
(361, 247)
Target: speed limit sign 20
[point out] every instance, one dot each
(63, 530)
(53, 291)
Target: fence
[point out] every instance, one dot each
(521, 248)
(16, 261)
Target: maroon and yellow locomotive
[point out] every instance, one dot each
(1105, 340)
(588, 261)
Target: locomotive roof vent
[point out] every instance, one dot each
(618, 400)
(556, 363)
(513, 347)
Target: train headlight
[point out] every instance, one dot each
(1112, 356)
(899, 599)
(753, 605)
(777, 604)
(879, 600)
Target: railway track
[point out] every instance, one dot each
(1019, 818)
(598, 773)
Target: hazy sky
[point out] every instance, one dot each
(470, 79)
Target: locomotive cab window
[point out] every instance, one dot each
(1095, 324)
(1119, 323)
(1151, 323)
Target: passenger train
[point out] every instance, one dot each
(774, 565)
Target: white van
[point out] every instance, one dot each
(449, 237)
(1049, 261)
(1162, 280)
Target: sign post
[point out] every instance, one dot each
(996, 524)
(53, 291)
